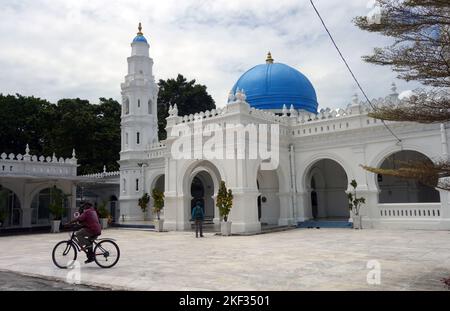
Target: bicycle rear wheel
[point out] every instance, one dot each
(64, 254)
(107, 254)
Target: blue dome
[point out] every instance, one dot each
(272, 85)
(140, 38)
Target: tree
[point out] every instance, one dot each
(57, 200)
(224, 201)
(420, 52)
(102, 210)
(143, 202)
(25, 120)
(94, 130)
(158, 201)
(354, 203)
(189, 97)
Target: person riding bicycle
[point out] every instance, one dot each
(91, 229)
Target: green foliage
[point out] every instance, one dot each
(224, 201)
(189, 97)
(158, 201)
(354, 203)
(57, 200)
(102, 210)
(143, 202)
(94, 130)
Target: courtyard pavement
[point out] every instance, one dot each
(300, 259)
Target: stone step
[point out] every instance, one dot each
(324, 224)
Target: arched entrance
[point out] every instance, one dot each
(268, 200)
(40, 212)
(200, 182)
(398, 190)
(202, 190)
(10, 210)
(328, 182)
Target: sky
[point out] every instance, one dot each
(57, 49)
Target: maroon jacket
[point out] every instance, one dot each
(89, 220)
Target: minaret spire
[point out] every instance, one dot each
(269, 59)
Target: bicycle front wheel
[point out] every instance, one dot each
(64, 254)
(107, 254)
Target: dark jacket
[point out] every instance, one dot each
(197, 213)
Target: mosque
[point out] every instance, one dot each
(318, 152)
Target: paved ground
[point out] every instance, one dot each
(10, 281)
(301, 259)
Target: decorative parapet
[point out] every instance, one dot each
(102, 175)
(354, 116)
(291, 121)
(28, 164)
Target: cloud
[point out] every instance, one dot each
(55, 49)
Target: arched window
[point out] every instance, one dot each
(138, 138)
(150, 110)
(126, 139)
(126, 106)
(397, 190)
(139, 103)
(137, 184)
(124, 185)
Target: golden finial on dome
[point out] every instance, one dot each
(269, 59)
(140, 30)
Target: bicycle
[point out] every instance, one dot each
(106, 252)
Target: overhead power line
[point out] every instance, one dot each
(351, 71)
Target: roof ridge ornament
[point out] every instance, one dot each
(140, 33)
(269, 59)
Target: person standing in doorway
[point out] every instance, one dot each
(198, 216)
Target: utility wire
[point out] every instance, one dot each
(351, 71)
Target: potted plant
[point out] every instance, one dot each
(158, 205)
(224, 203)
(143, 203)
(56, 208)
(354, 204)
(104, 214)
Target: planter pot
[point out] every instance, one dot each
(55, 226)
(357, 222)
(104, 222)
(225, 228)
(159, 225)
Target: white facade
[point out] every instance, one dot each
(319, 156)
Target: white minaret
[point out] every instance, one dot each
(139, 126)
(139, 94)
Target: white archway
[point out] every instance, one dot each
(326, 184)
(201, 182)
(397, 190)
